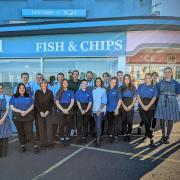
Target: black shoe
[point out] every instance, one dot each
(111, 138)
(23, 149)
(162, 140)
(139, 131)
(152, 143)
(98, 143)
(128, 137)
(36, 150)
(166, 140)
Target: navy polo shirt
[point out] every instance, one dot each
(113, 97)
(66, 97)
(83, 96)
(146, 91)
(21, 102)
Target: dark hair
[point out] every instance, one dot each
(52, 78)
(89, 72)
(84, 80)
(155, 73)
(1, 84)
(39, 74)
(61, 90)
(119, 72)
(24, 74)
(75, 71)
(60, 74)
(116, 87)
(107, 74)
(131, 86)
(149, 74)
(17, 94)
(98, 78)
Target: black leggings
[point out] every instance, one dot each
(127, 120)
(146, 117)
(153, 123)
(112, 124)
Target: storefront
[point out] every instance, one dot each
(51, 54)
(149, 51)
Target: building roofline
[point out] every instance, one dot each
(136, 23)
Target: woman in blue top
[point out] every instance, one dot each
(22, 106)
(167, 106)
(113, 105)
(128, 92)
(5, 125)
(146, 95)
(64, 103)
(84, 102)
(99, 107)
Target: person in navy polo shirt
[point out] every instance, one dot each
(64, 103)
(84, 102)
(113, 105)
(146, 95)
(22, 106)
(128, 92)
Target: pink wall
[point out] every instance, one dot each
(145, 58)
(136, 38)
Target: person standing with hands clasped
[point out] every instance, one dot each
(64, 103)
(99, 107)
(44, 102)
(128, 92)
(113, 105)
(5, 124)
(146, 95)
(84, 102)
(22, 106)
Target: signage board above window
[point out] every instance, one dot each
(54, 13)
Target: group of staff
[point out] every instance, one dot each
(64, 107)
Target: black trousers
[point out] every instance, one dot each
(26, 127)
(153, 123)
(65, 122)
(82, 123)
(45, 129)
(113, 124)
(146, 117)
(3, 147)
(127, 120)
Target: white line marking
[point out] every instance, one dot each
(40, 176)
(14, 140)
(136, 155)
(132, 142)
(128, 154)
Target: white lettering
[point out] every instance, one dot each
(118, 45)
(84, 45)
(59, 46)
(39, 46)
(109, 44)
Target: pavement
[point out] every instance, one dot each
(118, 161)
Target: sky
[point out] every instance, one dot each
(169, 8)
